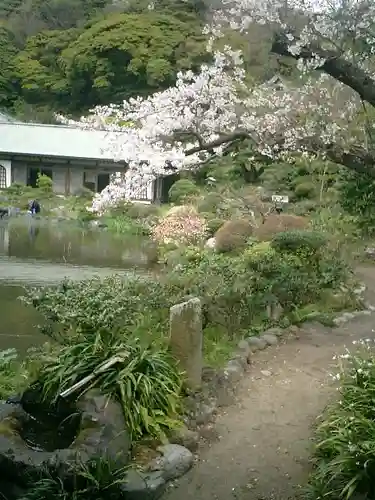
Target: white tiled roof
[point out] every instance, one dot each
(53, 140)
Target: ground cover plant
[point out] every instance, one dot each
(344, 460)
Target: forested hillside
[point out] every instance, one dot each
(69, 55)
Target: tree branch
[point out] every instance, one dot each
(224, 139)
(335, 65)
(356, 159)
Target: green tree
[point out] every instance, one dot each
(41, 71)
(8, 51)
(110, 60)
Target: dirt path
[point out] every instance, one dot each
(265, 440)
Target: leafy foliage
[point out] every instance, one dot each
(112, 58)
(181, 190)
(8, 88)
(147, 383)
(92, 481)
(13, 374)
(303, 241)
(345, 451)
(357, 197)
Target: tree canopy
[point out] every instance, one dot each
(70, 55)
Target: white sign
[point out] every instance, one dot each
(280, 199)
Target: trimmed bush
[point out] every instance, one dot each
(181, 190)
(233, 235)
(295, 241)
(279, 223)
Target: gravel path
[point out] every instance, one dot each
(265, 440)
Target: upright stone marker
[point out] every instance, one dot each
(186, 339)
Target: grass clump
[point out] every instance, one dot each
(147, 382)
(345, 437)
(14, 374)
(95, 480)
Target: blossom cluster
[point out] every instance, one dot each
(182, 225)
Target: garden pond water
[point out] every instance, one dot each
(42, 252)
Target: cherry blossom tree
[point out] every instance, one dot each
(326, 112)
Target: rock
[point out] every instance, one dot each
(234, 371)
(243, 346)
(225, 390)
(256, 343)
(279, 332)
(370, 252)
(294, 330)
(199, 412)
(242, 359)
(143, 486)
(175, 461)
(270, 339)
(103, 428)
(102, 433)
(210, 243)
(206, 413)
(184, 437)
(360, 290)
(186, 339)
(208, 374)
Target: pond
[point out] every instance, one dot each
(40, 252)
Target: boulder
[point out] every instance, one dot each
(174, 462)
(101, 432)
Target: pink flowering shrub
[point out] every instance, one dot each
(181, 225)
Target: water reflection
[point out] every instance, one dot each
(34, 252)
(18, 325)
(69, 243)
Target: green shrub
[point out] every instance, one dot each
(357, 197)
(17, 189)
(142, 210)
(345, 437)
(95, 480)
(297, 241)
(233, 235)
(304, 190)
(123, 224)
(181, 190)
(44, 183)
(213, 225)
(84, 193)
(236, 290)
(210, 203)
(13, 374)
(96, 304)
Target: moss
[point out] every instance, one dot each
(9, 427)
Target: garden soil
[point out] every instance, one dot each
(264, 441)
